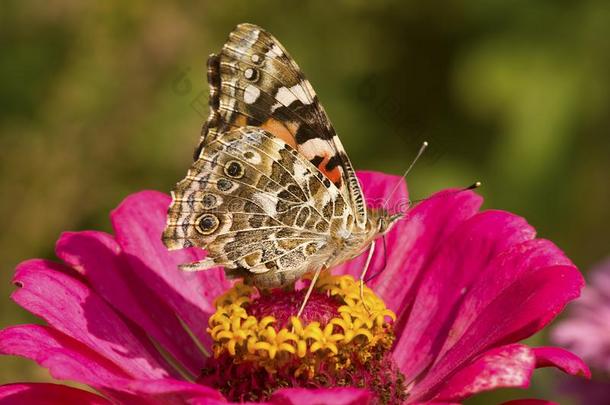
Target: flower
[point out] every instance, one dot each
(586, 331)
(341, 339)
(465, 286)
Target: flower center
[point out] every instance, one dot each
(260, 346)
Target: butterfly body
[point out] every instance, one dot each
(271, 194)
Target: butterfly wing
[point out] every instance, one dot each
(254, 81)
(258, 207)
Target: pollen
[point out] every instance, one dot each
(339, 340)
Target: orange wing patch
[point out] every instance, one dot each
(240, 121)
(333, 174)
(283, 130)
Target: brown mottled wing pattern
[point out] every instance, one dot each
(255, 82)
(258, 207)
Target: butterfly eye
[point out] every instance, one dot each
(207, 224)
(234, 169)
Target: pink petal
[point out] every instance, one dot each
(170, 391)
(586, 336)
(99, 258)
(460, 261)
(411, 244)
(562, 359)
(322, 396)
(47, 394)
(67, 359)
(72, 308)
(519, 311)
(507, 366)
(64, 357)
(138, 223)
(498, 275)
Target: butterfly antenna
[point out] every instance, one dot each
(422, 148)
(474, 185)
(385, 262)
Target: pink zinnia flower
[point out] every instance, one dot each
(586, 331)
(466, 287)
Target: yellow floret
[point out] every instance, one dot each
(357, 329)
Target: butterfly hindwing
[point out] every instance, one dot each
(255, 82)
(257, 206)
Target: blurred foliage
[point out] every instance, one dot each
(101, 99)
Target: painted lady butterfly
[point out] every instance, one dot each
(272, 194)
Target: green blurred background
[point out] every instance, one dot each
(102, 99)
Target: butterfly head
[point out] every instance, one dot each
(381, 221)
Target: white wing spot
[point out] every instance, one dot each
(251, 94)
(314, 147)
(254, 35)
(274, 51)
(301, 173)
(287, 96)
(267, 202)
(249, 73)
(308, 88)
(301, 94)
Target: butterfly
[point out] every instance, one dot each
(272, 194)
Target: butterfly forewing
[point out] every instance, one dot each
(254, 81)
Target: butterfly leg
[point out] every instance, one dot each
(363, 274)
(309, 290)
